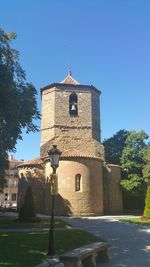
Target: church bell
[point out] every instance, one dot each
(73, 107)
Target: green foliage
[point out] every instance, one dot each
(114, 147)
(136, 220)
(147, 203)
(146, 169)
(129, 149)
(18, 106)
(133, 184)
(27, 209)
(133, 163)
(133, 154)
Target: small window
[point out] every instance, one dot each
(78, 182)
(73, 105)
(14, 197)
(6, 196)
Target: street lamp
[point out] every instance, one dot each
(54, 155)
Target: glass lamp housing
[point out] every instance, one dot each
(54, 155)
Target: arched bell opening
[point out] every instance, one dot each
(73, 104)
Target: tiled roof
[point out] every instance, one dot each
(76, 153)
(32, 162)
(73, 153)
(70, 153)
(70, 80)
(15, 160)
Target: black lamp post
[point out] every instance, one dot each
(54, 155)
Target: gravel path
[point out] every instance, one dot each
(130, 242)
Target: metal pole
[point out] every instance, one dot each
(51, 242)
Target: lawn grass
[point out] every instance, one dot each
(136, 221)
(11, 222)
(29, 249)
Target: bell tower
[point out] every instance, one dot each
(71, 117)
(71, 120)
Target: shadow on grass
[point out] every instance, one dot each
(29, 249)
(12, 222)
(22, 249)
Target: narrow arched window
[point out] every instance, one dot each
(78, 182)
(73, 104)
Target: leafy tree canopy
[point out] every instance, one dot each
(114, 147)
(146, 169)
(147, 203)
(133, 162)
(18, 106)
(130, 150)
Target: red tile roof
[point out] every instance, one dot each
(76, 153)
(70, 153)
(73, 153)
(32, 162)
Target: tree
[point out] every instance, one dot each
(18, 106)
(147, 204)
(146, 169)
(146, 174)
(27, 209)
(133, 183)
(114, 147)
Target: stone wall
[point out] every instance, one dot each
(112, 189)
(100, 188)
(96, 132)
(88, 146)
(58, 127)
(87, 201)
(35, 177)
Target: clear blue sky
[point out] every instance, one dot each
(105, 42)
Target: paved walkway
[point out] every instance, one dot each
(130, 242)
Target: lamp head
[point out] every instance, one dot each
(54, 155)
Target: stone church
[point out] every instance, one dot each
(86, 184)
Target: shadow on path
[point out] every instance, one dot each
(130, 242)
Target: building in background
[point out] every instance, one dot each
(10, 193)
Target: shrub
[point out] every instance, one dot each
(27, 209)
(147, 204)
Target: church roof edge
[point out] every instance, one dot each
(73, 153)
(71, 85)
(32, 162)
